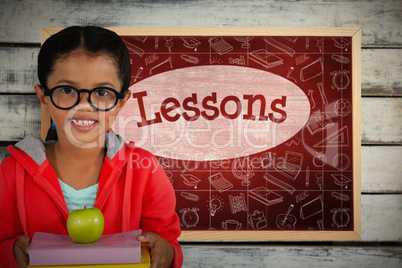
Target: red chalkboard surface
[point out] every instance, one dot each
(257, 129)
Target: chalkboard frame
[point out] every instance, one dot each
(279, 235)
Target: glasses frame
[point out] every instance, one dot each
(49, 92)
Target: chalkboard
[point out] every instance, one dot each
(258, 130)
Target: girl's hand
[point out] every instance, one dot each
(162, 253)
(21, 251)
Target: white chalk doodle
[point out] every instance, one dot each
(257, 220)
(340, 217)
(343, 107)
(190, 180)
(237, 203)
(219, 182)
(189, 217)
(312, 208)
(265, 196)
(286, 221)
(243, 169)
(231, 225)
(340, 80)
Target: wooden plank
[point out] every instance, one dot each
(381, 70)
(381, 75)
(18, 67)
(380, 221)
(261, 256)
(381, 213)
(19, 26)
(381, 169)
(387, 210)
(382, 217)
(219, 31)
(20, 117)
(356, 136)
(381, 120)
(275, 235)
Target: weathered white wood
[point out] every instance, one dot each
(381, 214)
(18, 67)
(381, 120)
(381, 71)
(222, 31)
(262, 256)
(20, 116)
(382, 217)
(21, 20)
(381, 168)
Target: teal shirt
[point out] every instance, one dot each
(78, 199)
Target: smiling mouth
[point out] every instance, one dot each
(83, 123)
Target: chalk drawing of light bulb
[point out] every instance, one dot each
(214, 205)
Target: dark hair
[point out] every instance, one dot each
(91, 40)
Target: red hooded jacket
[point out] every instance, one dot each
(134, 193)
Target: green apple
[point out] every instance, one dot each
(85, 225)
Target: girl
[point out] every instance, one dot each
(85, 74)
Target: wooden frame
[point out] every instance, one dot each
(354, 35)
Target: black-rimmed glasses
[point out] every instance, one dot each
(66, 97)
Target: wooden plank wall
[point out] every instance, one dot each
(380, 21)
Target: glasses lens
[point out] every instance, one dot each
(65, 97)
(103, 98)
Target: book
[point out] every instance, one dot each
(145, 263)
(54, 249)
(265, 58)
(265, 196)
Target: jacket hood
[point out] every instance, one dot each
(36, 148)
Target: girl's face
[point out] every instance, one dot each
(82, 125)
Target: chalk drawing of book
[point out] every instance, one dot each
(265, 196)
(321, 122)
(265, 58)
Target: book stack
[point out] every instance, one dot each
(121, 250)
